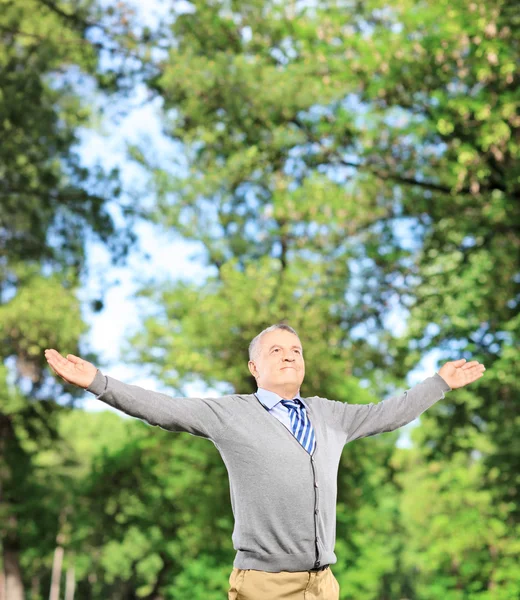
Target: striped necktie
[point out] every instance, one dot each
(300, 423)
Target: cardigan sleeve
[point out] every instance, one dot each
(198, 416)
(363, 420)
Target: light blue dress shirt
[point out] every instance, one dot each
(272, 402)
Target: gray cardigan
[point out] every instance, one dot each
(283, 499)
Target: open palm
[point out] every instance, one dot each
(71, 369)
(458, 373)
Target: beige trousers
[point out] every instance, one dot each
(248, 584)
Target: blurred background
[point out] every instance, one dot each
(176, 176)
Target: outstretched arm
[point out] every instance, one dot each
(202, 417)
(363, 420)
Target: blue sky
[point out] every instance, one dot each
(168, 256)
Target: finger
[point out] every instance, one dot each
(55, 370)
(62, 377)
(477, 368)
(74, 359)
(58, 363)
(59, 359)
(473, 363)
(458, 363)
(53, 354)
(53, 364)
(474, 375)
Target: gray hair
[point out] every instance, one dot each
(253, 346)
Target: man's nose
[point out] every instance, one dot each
(289, 358)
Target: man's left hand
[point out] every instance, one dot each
(458, 373)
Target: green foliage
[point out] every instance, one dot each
(50, 206)
(21, 320)
(203, 577)
(456, 530)
(161, 502)
(48, 199)
(342, 161)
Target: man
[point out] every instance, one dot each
(282, 453)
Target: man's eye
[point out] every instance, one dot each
(297, 351)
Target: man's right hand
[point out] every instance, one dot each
(71, 369)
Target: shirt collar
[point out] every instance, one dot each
(269, 399)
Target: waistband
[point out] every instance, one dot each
(320, 568)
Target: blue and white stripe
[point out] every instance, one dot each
(301, 426)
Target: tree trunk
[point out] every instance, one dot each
(13, 574)
(70, 583)
(35, 587)
(56, 574)
(2, 584)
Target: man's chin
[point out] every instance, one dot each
(290, 375)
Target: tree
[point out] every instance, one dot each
(50, 207)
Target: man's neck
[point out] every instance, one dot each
(287, 391)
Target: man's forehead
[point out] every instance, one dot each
(281, 336)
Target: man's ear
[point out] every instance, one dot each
(252, 368)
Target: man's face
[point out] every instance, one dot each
(279, 361)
